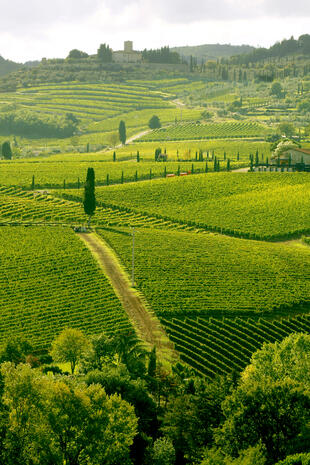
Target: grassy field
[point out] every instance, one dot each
(50, 281)
(264, 206)
(189, 273)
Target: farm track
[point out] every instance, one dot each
(147, 325)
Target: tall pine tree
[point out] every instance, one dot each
(89, 201)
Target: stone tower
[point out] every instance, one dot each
(128, 46)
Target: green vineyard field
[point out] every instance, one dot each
(206, 274)
(50, 281)
(222, 346)
(188, 131)
(265, 206)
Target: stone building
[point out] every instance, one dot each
(128, 55)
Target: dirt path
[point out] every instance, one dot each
(145, 322)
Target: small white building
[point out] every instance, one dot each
(128, 55)
(292, 157)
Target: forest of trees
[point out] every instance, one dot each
(280, 49)
(23, 123)
(162, 55)
(120, 405)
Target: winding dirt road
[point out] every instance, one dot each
(145, 322)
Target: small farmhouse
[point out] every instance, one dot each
(128, 55)
(292, 157)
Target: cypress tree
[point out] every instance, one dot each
(108, 180)
(138, 156)
(165, 172)
(64, 183)
(32, 183)
(238, 156)
(122, 132)
(78, 183)
(136, 176)
(224, 155)
(114, 156)
(122, 178)
(206, 167)
(228, 164)
(193, 169)
(89, 201)
(151, 173)
(6, 150)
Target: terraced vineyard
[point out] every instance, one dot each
(221, 346)
(185, 273)
(87, 101)
(49, 282)
(265, 206)
(188, 131)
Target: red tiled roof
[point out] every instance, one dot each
(303, 151)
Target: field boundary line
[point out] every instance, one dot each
(147, 325)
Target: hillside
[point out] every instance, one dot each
(212, 51)
(7, 66)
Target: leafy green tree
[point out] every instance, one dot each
(276, 89)
(6, 150)
(275, 414)
(163, 452)
(122, 132)
(289, 358)
(77, 54)
(16, 350)
(69, 346)
(287, 129)
(296, 459)
(57, 421)
(89, 201)
(154, 122)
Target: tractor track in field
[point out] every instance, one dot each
(145, 322)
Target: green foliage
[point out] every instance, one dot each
(289, 358)
(77, 54)
(89, 201)
(56, 421)
(6, 150)
(122, 132)
(29, 124)
(104, 54)
(276, 89)
(277, 414)
(287, 129)
(251, 456)
(154, 122)
(297, 459)
(70, 346)
(163, 452)
(163, 55)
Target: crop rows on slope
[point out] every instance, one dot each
(189, 131)
(267, 206)
(187, 273)
(90, 100)
(18, 206)
(55, 173)
(218, 346)
(50, 281)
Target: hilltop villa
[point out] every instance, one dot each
(128, 55)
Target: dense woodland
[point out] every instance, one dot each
(120, 404)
